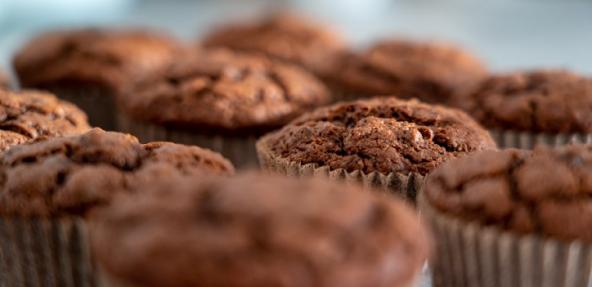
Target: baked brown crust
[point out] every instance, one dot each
(71, 176)
(30, 116)
(112, 58)
(223, 90)
(430, 71)
(553, 101)
(545, 192)
(379, 135)
(286, 37)
(260, 230)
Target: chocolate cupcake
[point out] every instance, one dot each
(383, 142)
(50, 189)
(256, 230)
(30, 116)
(286, 37)
(222, 100)
(522, 109)
(513, 218)
(429, 71)
(91, 67)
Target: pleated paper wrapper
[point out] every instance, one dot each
(527, 140)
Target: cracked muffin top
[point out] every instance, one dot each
(286, 37)
(430, 71)
(29, 116)
(73, 175)
(112, 58)
(260, 230)
(545, 192)
(552, 101)
(223, 90)
(381, 134)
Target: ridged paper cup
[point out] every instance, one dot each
(404, 185)
(471, 255)
(528, 140)
(45, 252)
(240, 150)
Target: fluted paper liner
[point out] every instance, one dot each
(471, 255)
(240, 150)
(405, 185)
(527, 140)
(45, 252)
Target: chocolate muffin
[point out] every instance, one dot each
(286, 37)
(530, 207)
(534, 107)
(90, 67)
(256, 230)
(222, 100)
(30, 116)
(49, 189)
(430, 71)
(386, 141)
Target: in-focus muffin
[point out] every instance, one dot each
(530, 214)
(30, 116)
(382, 141)
(522, 109)
(284, 36)
(90, 67)
(430, 71)
(222, 100)
(49, 190)
(256, 230)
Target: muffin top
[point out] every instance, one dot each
(256, 230)
(107, 57)
(284, 36)
(220, 89)
(378, 135)
(432, 72)
(73, 175)
(545, 192)
(31, 116)
(551, 101)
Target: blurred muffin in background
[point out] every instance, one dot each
(220, 99)
(284, 36)
(90, 67)
(30, 116)
(526, 108)
(429, 71)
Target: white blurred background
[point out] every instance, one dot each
(508, 34)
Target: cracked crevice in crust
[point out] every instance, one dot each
(224, 90)
(257, 230)
(31, 116)
(548, 192)
(551, 101)
(72, 175)
(382, 134)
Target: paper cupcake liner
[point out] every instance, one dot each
(44, 252)
(239, 150)
(405, 185)
(526, 140)
(475, 256)
(96, 101)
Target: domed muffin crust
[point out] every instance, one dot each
(73, 175)
(226, 91)
(112, 58)
(283, 36)
(546, 192)
(31, 116)
(432, 72)
(551, 101)
(381, 134)
(256, 230)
